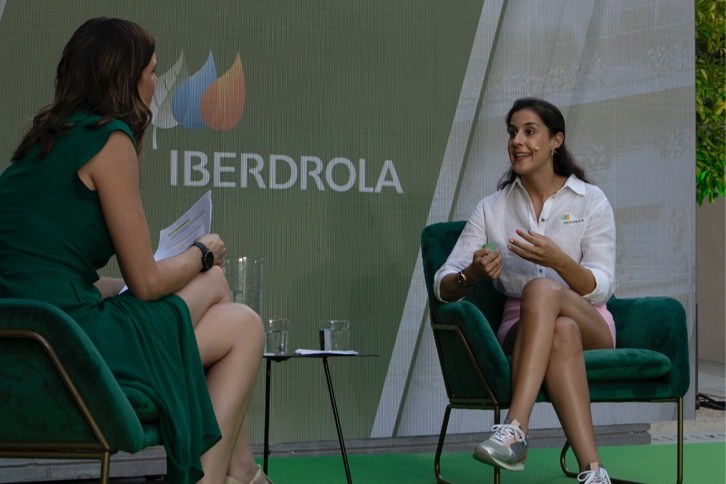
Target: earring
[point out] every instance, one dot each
(552, 153)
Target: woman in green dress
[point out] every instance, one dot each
(70, 200)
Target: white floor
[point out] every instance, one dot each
(710, 424)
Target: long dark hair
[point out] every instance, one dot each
(564, 163)
(98, 73)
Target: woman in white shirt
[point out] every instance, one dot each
(550, 248)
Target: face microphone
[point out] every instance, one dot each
(536, 148)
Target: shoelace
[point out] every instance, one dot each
(504, 432)
(598, 476)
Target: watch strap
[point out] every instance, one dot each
(461, 279)
(207, 261)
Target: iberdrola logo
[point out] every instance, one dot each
(565, 217)
(201, 100)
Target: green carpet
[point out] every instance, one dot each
(655, 464)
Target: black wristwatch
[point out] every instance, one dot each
(461, 279)
(207, 256)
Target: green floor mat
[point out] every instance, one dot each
(656, 464)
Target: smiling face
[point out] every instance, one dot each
(530, 144)
(148, 81)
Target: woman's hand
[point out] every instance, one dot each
(486, 265)
(538, 249)
(541, 250)
(214, 243)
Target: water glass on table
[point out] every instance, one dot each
(276, 336)
(334, 335)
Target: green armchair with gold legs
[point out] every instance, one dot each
(58, 399)
(650, 362)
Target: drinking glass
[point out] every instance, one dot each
(276, 336)
(334, 335)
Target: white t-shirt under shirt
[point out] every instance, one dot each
(578, 218)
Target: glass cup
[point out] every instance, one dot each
(245, 278)
(334, 335)
(276, 336)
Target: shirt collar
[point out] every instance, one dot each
(573, 183)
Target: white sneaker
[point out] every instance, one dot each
(596, 475)
(506, 448)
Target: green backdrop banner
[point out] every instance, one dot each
(319, 126)
(330, 132)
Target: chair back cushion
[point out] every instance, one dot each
(437, 242)
(477, 362)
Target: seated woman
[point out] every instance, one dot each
(70, 200)
(546, 239)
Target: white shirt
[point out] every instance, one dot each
(578, 218)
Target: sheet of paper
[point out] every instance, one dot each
(180, 235)
(321, 352)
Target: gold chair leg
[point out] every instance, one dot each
(679, 452)
(679, 445)
(497, 470)
(105, 467)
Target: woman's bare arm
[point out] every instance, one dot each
(114, 174)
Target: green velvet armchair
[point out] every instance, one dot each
(58, 399)
(650, 362)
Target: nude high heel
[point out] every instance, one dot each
(254, 480)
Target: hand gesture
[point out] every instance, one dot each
(537, 248)
(486, 263)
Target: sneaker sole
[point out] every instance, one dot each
(483, 456)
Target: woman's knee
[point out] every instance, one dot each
(541, 296)
(217, 279)
(250, 328)
(541, 287)
(567, 339)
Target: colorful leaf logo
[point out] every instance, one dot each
(199, 100)
(186, 105)
(223, 103)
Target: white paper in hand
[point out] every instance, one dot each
(180, 235)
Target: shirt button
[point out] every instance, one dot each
(542, 219)
(541, 271)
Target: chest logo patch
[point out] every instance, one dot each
(567, 219)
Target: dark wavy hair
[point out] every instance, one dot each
(98, 73)
(564, 163)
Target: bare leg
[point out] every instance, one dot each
(242, 463)
(231, 340)
(566, 385)
(543, 301)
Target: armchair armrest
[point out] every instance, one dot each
(659, 324)
(481, 339)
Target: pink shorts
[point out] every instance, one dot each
(511, 312)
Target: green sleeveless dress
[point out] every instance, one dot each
(52, 240)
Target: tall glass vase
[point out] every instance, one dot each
(245, 278)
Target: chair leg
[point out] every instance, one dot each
(105, 467)
(440, 447)
(563, 460)
(679, 452)
(497, 421)
(679, 445)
